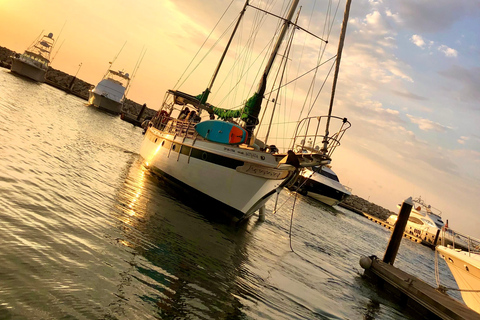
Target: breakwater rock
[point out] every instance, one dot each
(363, 205)
(5, 57)
(68, 83)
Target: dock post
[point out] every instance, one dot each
(398, 230)
(261, 213)
(141, 112)
(436, 238)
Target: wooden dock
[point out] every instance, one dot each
(414, 293)
(391, 226)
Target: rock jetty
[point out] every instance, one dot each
(361, 205)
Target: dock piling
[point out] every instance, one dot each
(398, 230)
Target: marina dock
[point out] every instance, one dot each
(413, 293)
(406, 289)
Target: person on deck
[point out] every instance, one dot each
(184, 114)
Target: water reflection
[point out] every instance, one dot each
(186, 262)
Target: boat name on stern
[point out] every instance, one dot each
(263, 172)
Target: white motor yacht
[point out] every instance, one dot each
(424, 222)
(322, 184)
(109, 93)
(34, 62)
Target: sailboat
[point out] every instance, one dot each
(220, 158)
(34, 62)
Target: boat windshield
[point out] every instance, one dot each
(429, 223)
(327, 174)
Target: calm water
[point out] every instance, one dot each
(87, 233)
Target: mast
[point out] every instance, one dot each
(210, 85)
(337, 67)
(255, 102)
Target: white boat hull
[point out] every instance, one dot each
(465, 268)
(321, 188)
(104, 103)
(325, 199)
(236, 178)
(27, 70)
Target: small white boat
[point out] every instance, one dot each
(34, 62)
(424, 222)
(322, 184)
(109, 93)
(465, 267)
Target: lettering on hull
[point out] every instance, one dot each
(263, 172)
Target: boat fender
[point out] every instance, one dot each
(365, 262)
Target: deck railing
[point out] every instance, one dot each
(310, 134)
(461, 241)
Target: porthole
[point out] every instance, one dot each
(156, 140)
(173, 147)
(450, 260)
(163, 142)
(204, 156)
(466, 268)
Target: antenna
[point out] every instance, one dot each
(137, 66)
(115, 58)
(57, 51)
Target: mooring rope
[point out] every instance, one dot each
(293, 207)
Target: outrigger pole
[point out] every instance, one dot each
(337, 67)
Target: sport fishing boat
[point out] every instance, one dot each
(34, 62)
(221, 157)
(322, 184)
(424, 222)
(109, 93)
(465, 267)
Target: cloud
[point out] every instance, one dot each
(463, 139)
(418, 41)
(427, 125)
(409, 95)
(433, 16)
(468, 80)
(449, 52)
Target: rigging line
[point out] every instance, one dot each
(247, 48)
(319, 58)
(61, 30)
(203, 58)
(322, 53)
(320, 91)
(199, 49)
(305, 73)
(136, 67)
(36, 39)
(291, 23)
(57, 51)
(301, 185)
(288, 48)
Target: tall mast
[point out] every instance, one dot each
(210, 85)
(285, 26)
(255, 102)
(337, 67)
